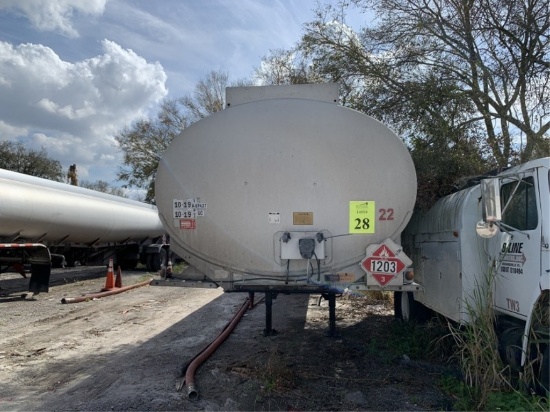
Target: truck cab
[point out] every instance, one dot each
(489, 241)
(520, 250)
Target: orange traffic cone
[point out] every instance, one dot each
(118, 280)
(169, 269)
(110, 281)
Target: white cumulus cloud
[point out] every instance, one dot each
(50, 15)
(74, 109)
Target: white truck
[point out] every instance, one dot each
(495, 233)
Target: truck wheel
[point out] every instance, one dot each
(509, 347)
(156, 260)
(544, 374)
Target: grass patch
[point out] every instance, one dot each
(501, 400)
(420, 341)
(427, 341)
(277, 376)
(477, 346)
(473, 349)
(488, 384)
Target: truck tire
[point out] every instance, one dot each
(544, 374)
(509, 346)
(155, 260)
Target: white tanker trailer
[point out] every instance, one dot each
(39, 217)
(285, 191)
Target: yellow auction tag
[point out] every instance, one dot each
(362, 216)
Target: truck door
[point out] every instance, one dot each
(518, 263)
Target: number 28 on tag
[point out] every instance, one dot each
(362, 215)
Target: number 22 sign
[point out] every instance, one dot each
(362, 216)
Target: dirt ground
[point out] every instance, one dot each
(127, 351)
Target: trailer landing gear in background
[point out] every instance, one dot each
(331, 297)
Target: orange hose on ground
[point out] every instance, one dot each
(91, 296)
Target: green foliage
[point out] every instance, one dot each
(277, 375)
(443, 168)
(486, 382)
(144, 142)
(419, 341)
(15, 157)
(495, 53)
(477, 345)
(465, 84)
(496, 401)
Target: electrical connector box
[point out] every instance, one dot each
(302, 245)
(306, 247)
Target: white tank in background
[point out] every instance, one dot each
(42, 210)
(45, 223)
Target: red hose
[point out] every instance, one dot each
(91, 296)
(192, 392)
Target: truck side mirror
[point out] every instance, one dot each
(492, 212)
(490, 197)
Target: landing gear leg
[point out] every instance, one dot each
(331, 297)
(269, 296)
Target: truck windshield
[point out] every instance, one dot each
(521, 213)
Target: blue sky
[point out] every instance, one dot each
(73, 73)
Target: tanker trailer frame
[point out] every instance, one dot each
(44, 222)
(127, 254)
(15, 255)
(285, 191)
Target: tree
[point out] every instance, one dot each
(103, 187)
(15, 157)
(285, 67)
(144, 142)
(463, 82)
(209, 95)
(492, 53)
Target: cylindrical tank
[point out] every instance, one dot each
(238, 190)
(36, 209)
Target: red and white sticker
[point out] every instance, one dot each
(186, 224)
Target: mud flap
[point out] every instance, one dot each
(40, 278)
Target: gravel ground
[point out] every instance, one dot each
(127, 351)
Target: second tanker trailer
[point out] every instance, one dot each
(39, 216)
(285, 191)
